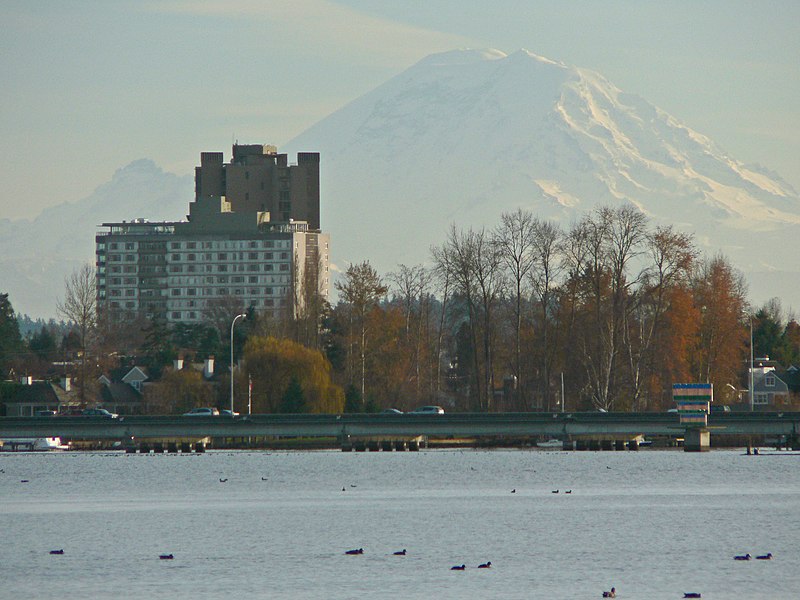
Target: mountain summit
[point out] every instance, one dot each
(465, 135)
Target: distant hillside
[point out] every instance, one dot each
(35, 256)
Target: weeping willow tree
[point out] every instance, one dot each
(277, 366)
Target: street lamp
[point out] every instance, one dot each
(242, 316)
(750, 379)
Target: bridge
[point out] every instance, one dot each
(555, 425)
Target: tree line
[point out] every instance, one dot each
(605, 314)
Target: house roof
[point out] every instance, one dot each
(118, 393)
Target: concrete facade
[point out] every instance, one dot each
(258, 179)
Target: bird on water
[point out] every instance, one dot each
(610, 594)
(165, 556)
(400, 552)
(458, 568)
(61, 551)
(742, 557)
(767, 556)
(357, 551)
(486, 565)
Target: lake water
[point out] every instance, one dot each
(654, 524)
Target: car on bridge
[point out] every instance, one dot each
(202, 411)
(99, 412)
(391, 411)
(427, 410)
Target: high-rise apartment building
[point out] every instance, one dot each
(223, 256)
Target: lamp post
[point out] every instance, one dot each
(242, 316)
(750, 379)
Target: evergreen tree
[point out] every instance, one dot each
(293, 400)
(352, 400)
(10, 339)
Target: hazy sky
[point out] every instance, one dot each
(88, 87)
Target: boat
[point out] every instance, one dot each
(550, 444)
(43, 444)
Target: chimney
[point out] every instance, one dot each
(177, 364)
(66, 384)
(208, 367)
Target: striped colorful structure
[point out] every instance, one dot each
(693, 401)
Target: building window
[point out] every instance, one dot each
(284, 256)
(191, 292)
(222, 268)
(769, 380)
(223, 279)
(175, 245)
(130, 292)
(269, 244)
(252, 279)
(129, 246)
(222, 256)
(760, 398)
(176, 315)
(284, 267)
(191, 245)
(268, 267)
(176, 292)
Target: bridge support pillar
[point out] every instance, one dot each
(568, 445)
(606, 445)
(413, 446)
(199, 447)
(186, 447)
(400, 445)
(696, 440)
(633, 445)
(594, 445)
(619, 444)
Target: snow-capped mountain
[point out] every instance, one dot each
(36, 255)
(466, 135)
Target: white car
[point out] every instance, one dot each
(202, 412)
(428, 410)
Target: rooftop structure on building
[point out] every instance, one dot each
(231, 254)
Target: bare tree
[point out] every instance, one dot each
(361, 289)
(413, 285)
(546, 268)
(514, 239)
(472, 262)
(79, 306)
(671, 258)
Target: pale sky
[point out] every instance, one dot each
(87, 87)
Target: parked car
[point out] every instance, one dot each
(99, 412)
(391, 411)
(202, 412)
(45, 413)
(720, 408)
(228, 413)
(427, 410)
